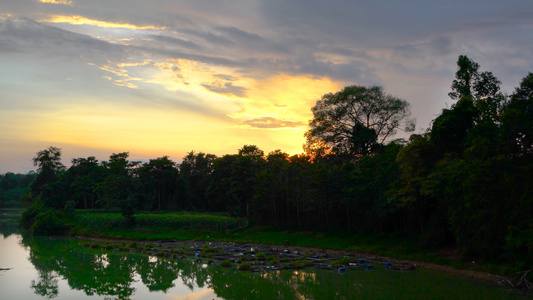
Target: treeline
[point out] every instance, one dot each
(466, 182)
(13, 187)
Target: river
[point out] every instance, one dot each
(61, 268)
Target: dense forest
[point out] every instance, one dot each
(13, 188)
(466, 182)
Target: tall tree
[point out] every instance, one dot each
(84, 175)
(48, 163)
(119, 186)
(356, 119)
(234, 179)
(195, 175)
(517, 119)
(159, 178)
(484, 88)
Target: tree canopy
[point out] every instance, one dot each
(356, 119)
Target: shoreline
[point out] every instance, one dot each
(330, 253)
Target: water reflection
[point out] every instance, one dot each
(47, 286)
(64, 269)
(115, 274)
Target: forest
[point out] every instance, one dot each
(467, 182)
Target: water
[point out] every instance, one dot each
(61, 268)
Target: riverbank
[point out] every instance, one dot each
(343, 248)
(318, 248)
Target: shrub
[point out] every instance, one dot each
(226, 264)
(29, 215)
(341, 262)
(47, 223)
(244, 266)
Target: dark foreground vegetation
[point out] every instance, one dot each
(465, 184)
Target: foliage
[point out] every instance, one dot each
(176, 221)
(354, 120)
(245, 266)
(226, 264)
(189, 221)
(13, 187)
(48, 222)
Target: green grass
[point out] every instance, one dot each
(102, 221)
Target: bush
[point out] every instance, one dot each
(48, 223)
(245, 266)
(341, 262)
(226, 264)
(28, 216)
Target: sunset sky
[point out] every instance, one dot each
(156, 78)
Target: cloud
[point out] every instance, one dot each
(227, 89)
(61, 2)
(269, 122)
(80, 20)
(27, 36)
(176, 41)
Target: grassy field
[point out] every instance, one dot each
(112, 221)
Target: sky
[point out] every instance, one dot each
(157, 78)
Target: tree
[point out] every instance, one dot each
(483, 87)
(451, 128)
(465, 78)
(159, 178)
(84, 176)
(517, 119)
(234, 179)
(118, 188)
(48, 163)
(356, 119)
(195, 175)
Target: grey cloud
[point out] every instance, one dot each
(225, 77)
(238, 34)
(232, 41)
(176, 41)
(209, 37)
(27, 36)
(227, 88)
(212, 59)
(269, 122)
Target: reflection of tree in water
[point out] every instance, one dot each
(297, 284)
(47, 285)
(107, 273)
(8, 224)
(111, 274)
(157, 274)
(91, 272)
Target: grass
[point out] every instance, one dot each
(112, 221)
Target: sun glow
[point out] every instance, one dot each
(79, 20)
(273, 116)
(61, 2)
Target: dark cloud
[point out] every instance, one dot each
(269, 122)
